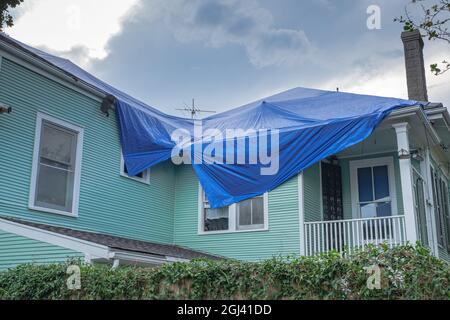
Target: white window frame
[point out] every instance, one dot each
(253, 226)
(40, 118)
(373, 162)
(145, 175)
(232, 218)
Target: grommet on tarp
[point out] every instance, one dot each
(107, 104)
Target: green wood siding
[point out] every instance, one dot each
(109, 203)
(15, 250)
(282, 238)
(312, 194)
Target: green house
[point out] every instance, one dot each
(65, 192)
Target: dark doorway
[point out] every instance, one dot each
(332, 191)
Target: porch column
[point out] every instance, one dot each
(401, 130)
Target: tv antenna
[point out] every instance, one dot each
(193, 110)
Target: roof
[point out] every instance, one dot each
(307, 125)
(120, 243)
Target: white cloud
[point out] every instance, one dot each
(389, 80)
(244, 23)
(67, 25)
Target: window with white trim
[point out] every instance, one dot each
(56, 166)
(248, 215)
(143, 177)
(373, 188)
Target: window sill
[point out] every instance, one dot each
(143, 181)
(53, 211)
(207, 233)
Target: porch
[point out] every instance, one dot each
(353, 234)
(379, 191)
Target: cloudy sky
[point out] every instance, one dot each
(225, 53)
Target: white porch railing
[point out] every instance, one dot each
(353, 234)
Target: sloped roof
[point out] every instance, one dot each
(120, 243)
(308, 125)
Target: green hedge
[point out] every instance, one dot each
(407, 273)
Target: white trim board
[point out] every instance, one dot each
(301, 212)
(75, 244)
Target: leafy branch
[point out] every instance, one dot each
(434, 23)
(5, 14)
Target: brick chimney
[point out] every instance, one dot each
(415, 65)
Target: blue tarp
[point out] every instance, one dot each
(309, 124)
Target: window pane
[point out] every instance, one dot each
(373, 210)
(57, 144)
(216, 219)
(139, 175)
(245, 213)
(369, 210)
(384, 209)
(251, 213)
(365, 184)
(55, 176)
(54, 188)
(258, 211)
(381, 181)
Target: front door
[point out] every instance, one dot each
(332, 192)
(332, 205)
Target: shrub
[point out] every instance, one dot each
(406, 272)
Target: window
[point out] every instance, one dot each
(215, 219)
(56, 166)
(373, 189)
(441, 208)
(248, 215)
(143, 177)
